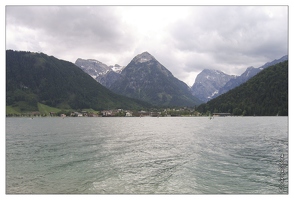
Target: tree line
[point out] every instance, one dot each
(265, 94)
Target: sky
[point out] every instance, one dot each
(184, 39)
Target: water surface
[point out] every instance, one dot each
(184, 155)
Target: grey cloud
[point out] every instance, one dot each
(95, 28)
(228, 34)
(228, 38)
(232, 29)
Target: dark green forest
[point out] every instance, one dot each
(265, 94)
(37, 77)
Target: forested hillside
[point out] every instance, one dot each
(36, 77)
(266, 94)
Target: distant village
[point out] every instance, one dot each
(131, 113)
(168, 112)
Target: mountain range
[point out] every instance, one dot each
(143, 78)
(105, 75)
(146, 79)
(249, 73)
(265, 94)
(210, 84)
(34, 78)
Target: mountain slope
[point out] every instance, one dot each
(92, 67)
(265, 94)
(36, 77)
(105, 75)
(249, 73)
(146, 79)
(108, 79)
(208, 82)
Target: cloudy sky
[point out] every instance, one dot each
(185, 39)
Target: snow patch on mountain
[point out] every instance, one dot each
(214, 93)
(208, 83)
(98, 70)
(249, 73)
(116, 68)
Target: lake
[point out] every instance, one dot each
(148, 155)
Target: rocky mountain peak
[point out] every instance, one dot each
(233, 82)
(208, 82)
(146, 79)
(91, 63)
(211, 75)
(250, 72)
(143, 57)
(96, 69)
